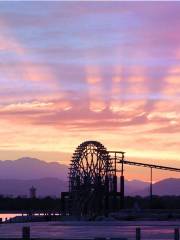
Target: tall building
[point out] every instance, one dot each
(32, 192)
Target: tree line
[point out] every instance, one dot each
(54, 204)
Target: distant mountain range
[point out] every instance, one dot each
(31, 168)
(169, 186)
(134, 186)
(45, 187)
(50, 179)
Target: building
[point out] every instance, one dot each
(32, 192)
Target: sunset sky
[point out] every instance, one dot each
(76, 71)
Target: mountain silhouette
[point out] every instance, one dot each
(51, 178)
(44, 186)
(31, 168)
(134, 186)
(169, 186)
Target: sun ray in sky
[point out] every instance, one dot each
(116, 93)
(72, 71)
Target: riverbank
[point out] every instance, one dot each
(123, 215)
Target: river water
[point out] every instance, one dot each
(7, 216)
(83, 230)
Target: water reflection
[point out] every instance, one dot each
(7, 216)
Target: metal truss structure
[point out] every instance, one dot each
(139, 164)
(90, 166)
(93, 180)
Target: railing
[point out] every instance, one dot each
(26, 236)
